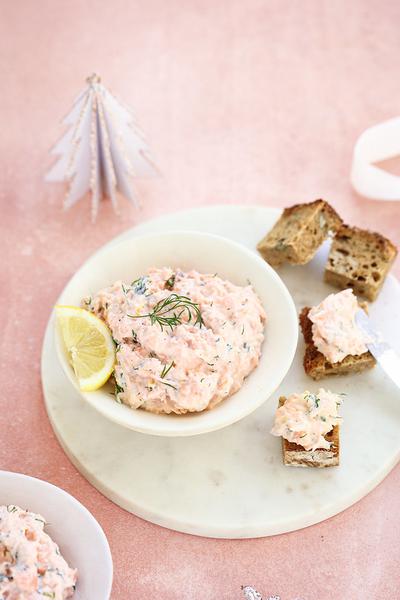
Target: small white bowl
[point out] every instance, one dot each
(82, 541)
(206, 253)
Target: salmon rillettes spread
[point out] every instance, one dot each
(335, 331)
(31, 566)
(192, 365)
(306, 418)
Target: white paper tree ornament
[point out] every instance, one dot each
(102, 151)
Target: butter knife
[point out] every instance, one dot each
(388, 359)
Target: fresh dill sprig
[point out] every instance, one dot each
(117, 390)
(312, 398)
(169, 312)
(117, 344)
(169, 385)
(166, 370)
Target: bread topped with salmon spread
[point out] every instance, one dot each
(334, 343)
(309, 426)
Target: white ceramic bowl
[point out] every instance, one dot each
(81, 540)
(206, 253)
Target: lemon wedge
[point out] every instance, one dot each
(89, 344)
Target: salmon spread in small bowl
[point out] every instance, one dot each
(51, 547)
(185, 341)
(204, 331)
(31, 564)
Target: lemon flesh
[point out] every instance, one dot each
(90, 347)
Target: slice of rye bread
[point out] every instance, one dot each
(297, 456)
(359, 259)
(317, 366)
(298, 233)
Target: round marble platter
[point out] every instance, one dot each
(231, 483)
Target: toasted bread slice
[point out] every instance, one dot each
(316, 364)
(296, 456)
(298, 233)
(359, 259)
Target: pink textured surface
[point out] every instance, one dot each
(242, 102)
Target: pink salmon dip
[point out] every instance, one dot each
(187, 368)
(306, 418)
(31, 566)
(335, 332)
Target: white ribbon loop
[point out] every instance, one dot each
(376, 144)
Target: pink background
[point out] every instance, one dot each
(242, 102)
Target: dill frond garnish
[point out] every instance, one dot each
(169, 312)
(117, 344)
(117, 390)
(312, 398)
(166, 370)
(169, 385)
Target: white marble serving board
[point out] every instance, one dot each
(231, 483)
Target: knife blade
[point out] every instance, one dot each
(386, 356)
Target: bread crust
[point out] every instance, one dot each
(319, 203)
(387, 247)
(316, 364)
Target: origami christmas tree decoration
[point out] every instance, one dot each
(102, 151)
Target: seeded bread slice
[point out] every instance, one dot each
(298, 233)
(317, 366)
(296, 456)
(359, 259)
